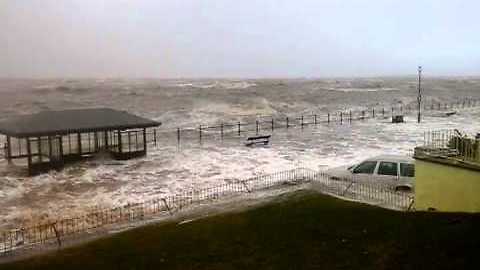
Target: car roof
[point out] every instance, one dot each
(392, 158)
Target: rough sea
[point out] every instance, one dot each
(170, 168)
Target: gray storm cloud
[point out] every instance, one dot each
(236, 38)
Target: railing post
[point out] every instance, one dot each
(315, 119)
(4, 243)
(273, 125)
(178, 136)
(328, 118)
(79, 143)
(350, 116)
(239, 131)
(373, 112)
(200, 132)
(287, 121)
(221, 130)
(341, 118)
(383, 112)
(256, 123)
(302, 121)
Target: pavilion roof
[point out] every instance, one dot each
(49, 123)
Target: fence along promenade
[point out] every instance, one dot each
(269, 123)
(55, 232)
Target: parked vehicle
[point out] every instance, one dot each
(391, 171)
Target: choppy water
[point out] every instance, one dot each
(187, 103)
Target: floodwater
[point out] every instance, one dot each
(171, 168)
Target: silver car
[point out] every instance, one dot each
(391, 171)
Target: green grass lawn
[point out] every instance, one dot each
(303, 230)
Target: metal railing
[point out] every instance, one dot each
(57, 231)
(268, 123)
(253, 124)
(450, 143)
(3, 150)
(367, 191)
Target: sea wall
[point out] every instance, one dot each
(446, 187)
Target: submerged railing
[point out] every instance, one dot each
(269, 123)
(247, 124)
(57, 231)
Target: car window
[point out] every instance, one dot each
(407, 169)
(387, 168)
(365, 167)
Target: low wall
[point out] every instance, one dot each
(445, 187)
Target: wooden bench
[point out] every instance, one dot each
(255, 140)
(397, 119)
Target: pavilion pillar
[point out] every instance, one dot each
(119, 133)
(145, 140)
(29, 156)
(106, 139)
(39, 147)
(95, 144)
(9, 150)
(50, 148)
(79, 143)
(129, 142)
(60, 149)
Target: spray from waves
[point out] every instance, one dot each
(217, 84)
(206, 112)
(347, 90)
(168, 169)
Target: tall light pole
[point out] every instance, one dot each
(419, 97)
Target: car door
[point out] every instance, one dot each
(407, 175)
(364, 171)
(387, 174)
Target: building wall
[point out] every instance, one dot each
(446, 188)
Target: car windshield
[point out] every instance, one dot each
(407, 170)
(365, 167)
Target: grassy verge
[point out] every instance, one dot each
(304, 231)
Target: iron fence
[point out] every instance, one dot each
(451, 143)
(246, 125)
(59, 230)
(269, 123)
(368, 191)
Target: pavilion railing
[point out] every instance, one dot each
(57, 232)
(3, 151)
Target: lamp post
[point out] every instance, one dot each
(419, 97)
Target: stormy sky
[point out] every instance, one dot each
(231, 38)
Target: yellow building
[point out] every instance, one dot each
(446, 182)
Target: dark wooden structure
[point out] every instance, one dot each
(49, 139)
(398, 119)
(255, 140)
